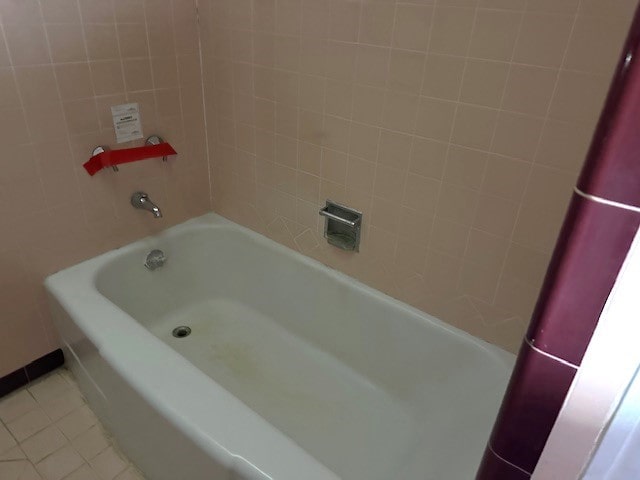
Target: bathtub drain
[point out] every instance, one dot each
(181, 331)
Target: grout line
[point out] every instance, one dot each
(376, 170)
(449, 144)
(544, 124)
(120, 58)
(490, 149)
(549, 355)
(204, 101)
(604, 201)
(507, 461)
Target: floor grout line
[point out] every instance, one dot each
(34, 420)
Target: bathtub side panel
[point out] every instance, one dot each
(159, 449)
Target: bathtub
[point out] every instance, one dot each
(292, 371)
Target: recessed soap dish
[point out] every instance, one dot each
(342, 226)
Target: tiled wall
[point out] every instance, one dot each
(457, 126)
(567, 378)
(63, 63)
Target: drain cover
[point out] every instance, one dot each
(181, 332)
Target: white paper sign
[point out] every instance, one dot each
(126, 121)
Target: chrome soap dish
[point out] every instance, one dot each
(342, 226)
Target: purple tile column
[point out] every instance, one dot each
(603, 217)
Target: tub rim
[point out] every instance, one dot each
(137, 355)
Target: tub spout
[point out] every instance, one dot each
(141, 200)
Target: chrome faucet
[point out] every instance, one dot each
(141, 200)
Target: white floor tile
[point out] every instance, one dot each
(6, 439)
(91, 443)
(30, 473)
(83, 473)
(63, 405)
(49, 388)
(16, 405)
(14, 453)
(57, 437)
(60, 464)
(43, 443)
(28, 424)
(108, 464)
(130, 473)
(77, 422)
(12, 470)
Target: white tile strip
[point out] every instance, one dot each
(557, 359)
(604, 201)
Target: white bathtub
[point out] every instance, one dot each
(293, 371)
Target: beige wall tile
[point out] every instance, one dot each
(517, 135)
(412, 27)
(484, 82)
(74, 81)
(68, 71)
(376, 23)
(368, 105)
(443, 76)
(506, 177)
(363, 141)
(372, 66)
(394, 149)
(494, 34)
(473, 126)
(596, 41)
(400, 111)
(451, 31)
(405, 109)
(37, 85)
(465, 167)
(428, 157)
(618, 8)
(344, 21)
(66, 42)
(97, 12)
(563, 145)
(543, 39)
(449, 238)
(389, 183)
(405, 71)
(579, 97)
(553, 6)
(529, 89)
(495, 215)
(27, 44)
(421, 193)
(435, 119)
(60, 11)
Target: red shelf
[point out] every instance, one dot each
(111, 158)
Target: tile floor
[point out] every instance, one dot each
(48, 432)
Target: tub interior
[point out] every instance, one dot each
(366, 386)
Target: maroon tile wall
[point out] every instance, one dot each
(537, 390)
(592, 246)
(612, 169)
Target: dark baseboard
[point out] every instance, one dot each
(29, 373)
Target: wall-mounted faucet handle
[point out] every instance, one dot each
(100, 149)
(142, 200)
(155, 140)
